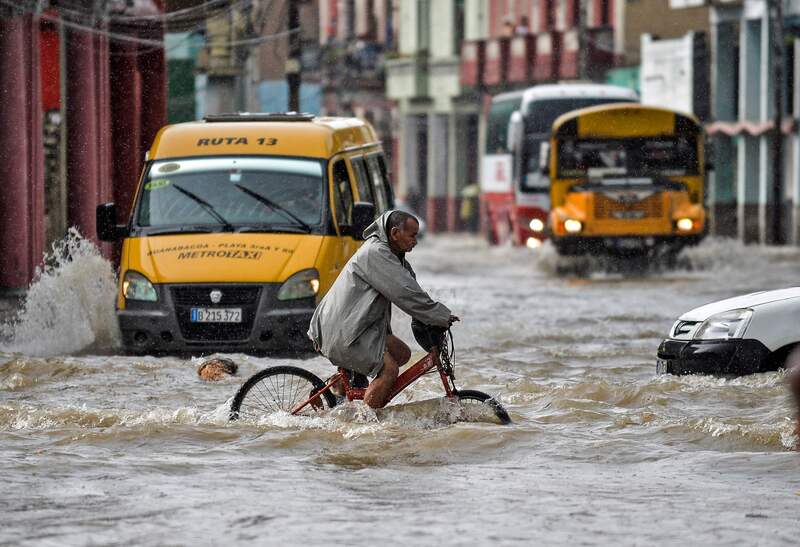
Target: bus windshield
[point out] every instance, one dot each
(541, 113)
(667, 156)
(232, 193)
(497, 125)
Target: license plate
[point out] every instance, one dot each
(629, 243)
(216, 315)
(661, 366)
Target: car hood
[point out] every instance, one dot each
(223, 257)
(752, 300)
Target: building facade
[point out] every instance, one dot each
(453, 55)
(747, 199)
(82, 94)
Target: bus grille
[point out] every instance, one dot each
(608, 208)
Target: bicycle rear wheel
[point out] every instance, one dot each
(478, 400)
(279, 389)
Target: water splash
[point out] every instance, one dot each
(69, 306)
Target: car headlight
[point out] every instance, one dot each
(725, 325)
(135, 286)
(685, 224)
(303, 284)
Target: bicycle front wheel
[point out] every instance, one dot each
(280, 389)
(478, 400)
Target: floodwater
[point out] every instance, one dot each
(98, 448)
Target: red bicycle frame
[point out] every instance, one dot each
(408, 377)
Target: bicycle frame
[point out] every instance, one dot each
(405, 379)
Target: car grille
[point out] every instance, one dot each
(608, 208)
(187, 297)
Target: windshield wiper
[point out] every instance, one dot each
(274, 206)
(179, 230)
(272, 228)
(207, 206)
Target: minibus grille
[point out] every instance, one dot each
(187, 297)
(200, 295)
(612, 209)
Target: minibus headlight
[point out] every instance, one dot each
(572, 226)
(135, 286)
(684, 224)
(303, 284)
(536, 225)
(725, 325)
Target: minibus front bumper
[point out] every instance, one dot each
(266, 323)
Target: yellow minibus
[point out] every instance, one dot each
(240, 224)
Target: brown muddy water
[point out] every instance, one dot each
(103, 449)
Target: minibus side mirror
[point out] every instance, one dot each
(363, 215)
(106, 220)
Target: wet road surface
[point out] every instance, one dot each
(98, 448)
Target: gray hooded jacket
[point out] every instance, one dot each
(350, 324)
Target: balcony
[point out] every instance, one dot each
(496, 63)
(568, 55)
(444, 77)
(355, 64)
(472, 61)
(548, 45)
(407, 77)
(522, 56)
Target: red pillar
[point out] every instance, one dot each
(83, 138)
(125, 124)
(22, 156)
(153, 71)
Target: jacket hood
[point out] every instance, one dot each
(378, 228)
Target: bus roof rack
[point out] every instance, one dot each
(260, 117)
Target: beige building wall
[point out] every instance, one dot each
(655, 17)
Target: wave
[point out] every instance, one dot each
(69, 306)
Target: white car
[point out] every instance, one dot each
(740, 335)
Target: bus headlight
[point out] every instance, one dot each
(536, 225)
(572, 226)
(684, 224)
(725, 325)
(303, 284)
(533, 243)
(135, 286)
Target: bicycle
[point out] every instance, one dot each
(299, 392)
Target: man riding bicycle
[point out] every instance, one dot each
(352, 324)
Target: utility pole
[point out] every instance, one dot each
(778, 55)
(293, 61)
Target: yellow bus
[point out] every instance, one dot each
(240, 224)
(626, 179)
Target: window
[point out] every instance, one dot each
(362, 181)
(379, 184)
(342, 194)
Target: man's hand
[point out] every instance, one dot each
(452, 320)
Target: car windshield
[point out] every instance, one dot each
(232, 193)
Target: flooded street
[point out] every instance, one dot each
(98, 448)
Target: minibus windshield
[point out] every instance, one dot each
(232, 194)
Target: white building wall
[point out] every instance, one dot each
(408, 39)
(476, 24)
(442, 18)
